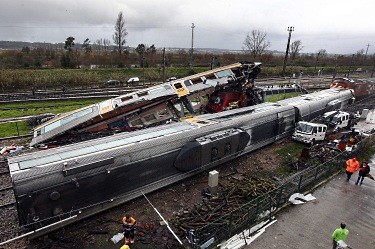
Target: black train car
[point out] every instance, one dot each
(68, 183)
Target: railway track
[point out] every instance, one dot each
(6, 197)
(111, 92)
(71, 94)
(8, 209)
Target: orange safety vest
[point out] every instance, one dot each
(352, 165)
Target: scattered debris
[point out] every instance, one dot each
(10, 149)
(118, 237)
(247, 236)
(298, 198)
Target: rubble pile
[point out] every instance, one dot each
(239, 191)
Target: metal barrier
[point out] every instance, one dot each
(264, 207)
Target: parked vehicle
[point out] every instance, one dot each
(113, 83)
(171, 78)
(307, 132)
(133, 79)
(340, 119)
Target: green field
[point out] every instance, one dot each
(14, 129)
(277, 97)
(22, 109)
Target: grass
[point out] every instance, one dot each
(281, 96)
(10, 129)
(288, 154)
(12, 80)
(22, 109)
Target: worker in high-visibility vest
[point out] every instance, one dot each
(128, 224)
(125, 247)
(352, 166)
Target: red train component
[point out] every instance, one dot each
(362, 87)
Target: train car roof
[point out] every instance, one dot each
(64, 153)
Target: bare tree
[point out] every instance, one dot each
(120, 32)
(99, 45)
(106, 44)
(255, 43)
(295, 48)
(322, 53)
(86, 46)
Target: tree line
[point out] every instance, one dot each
(104, 54)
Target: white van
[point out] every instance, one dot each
(337, 119)
(132, 80)
(307, 132)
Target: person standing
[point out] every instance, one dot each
(352, 166)
(128, 224)
(340, 233)
(364, 169)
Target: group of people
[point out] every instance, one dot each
(352, 165)
(340, 234)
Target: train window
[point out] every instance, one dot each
(224, 73)
(197, 80)
(150, 117)
(141, 94)
(227, 148)
(136, 122)
(214, 153)
(126, 98)
(178, 85)
(210, 77)
(157, 90)
(187, 83)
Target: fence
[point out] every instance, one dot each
(264, 207)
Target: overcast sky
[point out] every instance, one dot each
(339, 26)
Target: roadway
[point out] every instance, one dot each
(310, 225)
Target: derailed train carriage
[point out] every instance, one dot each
(71, 182)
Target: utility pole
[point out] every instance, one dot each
(213, 61)
(192, 45)
(316, 62)
(368, 45)
(163, 65)
(143, 68)
(290, 30)
(350, 66)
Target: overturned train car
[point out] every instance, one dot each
(71, 182)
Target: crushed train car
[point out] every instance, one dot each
(152, 106)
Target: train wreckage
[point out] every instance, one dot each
(212, 91)
(67, 183)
